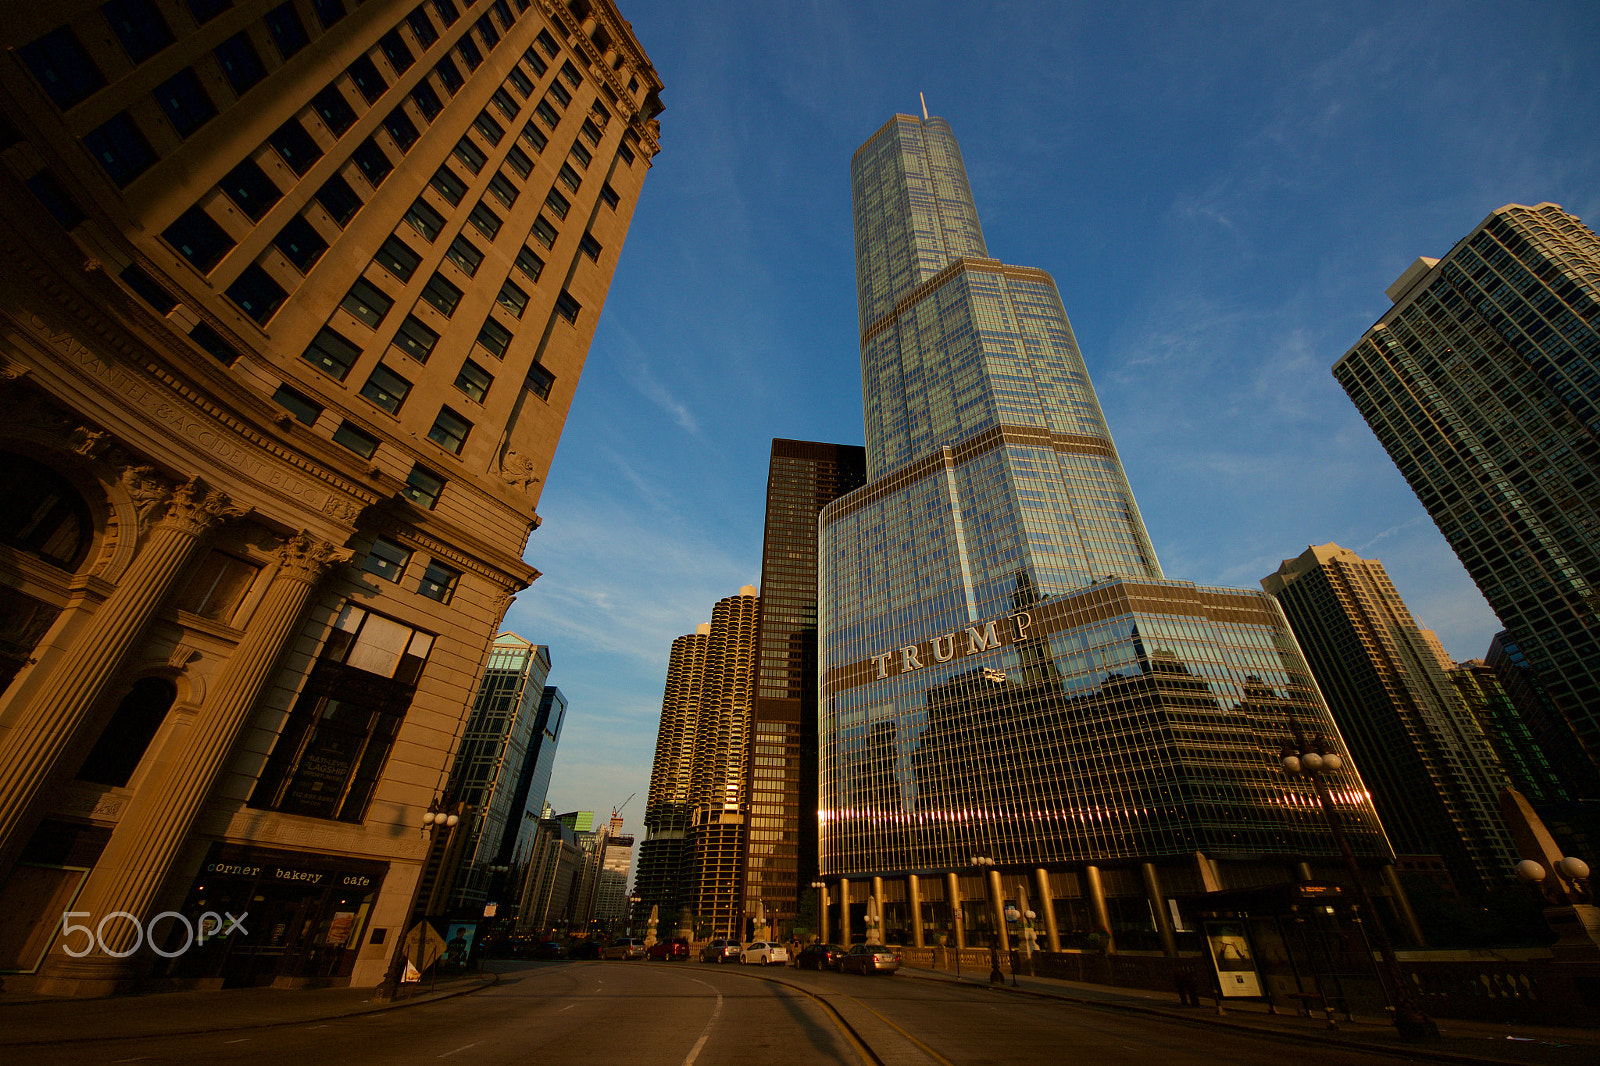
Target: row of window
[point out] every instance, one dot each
(389, 559)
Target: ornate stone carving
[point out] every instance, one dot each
(518, 471)
(181, 655)
(148, 490)
(90, 443)
(308, 557)
(197, 508)
(341, 508)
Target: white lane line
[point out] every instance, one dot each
(705, 1033)
(569, 1006)
(463, 1047)
(136, 1058)
(241, 1040)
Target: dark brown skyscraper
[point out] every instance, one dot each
(781, 852)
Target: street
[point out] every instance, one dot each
(690, 1014)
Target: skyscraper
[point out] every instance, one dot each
(781, 780)
(1482, 383)
(293, 301)
(1004, 671)
(1434, 774)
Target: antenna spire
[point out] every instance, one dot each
(924, 100)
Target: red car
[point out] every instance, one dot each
(673, 949)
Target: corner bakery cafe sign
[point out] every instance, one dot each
(973, 640)
(286, 874)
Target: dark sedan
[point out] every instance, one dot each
(819, 957)
(867, 959)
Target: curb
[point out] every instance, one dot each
(488, 981)
(1412, 1050)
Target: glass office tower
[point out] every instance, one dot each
(1004, 670)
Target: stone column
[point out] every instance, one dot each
(844, 911)
(822, 914)
(914, 902)
(1097, 906)
(136, 862)
(875, 907)
(44, 730)
(1158, 906)
(997, 905)
(952, 893)
(1047, 907)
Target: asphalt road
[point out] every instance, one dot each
(690, 1014)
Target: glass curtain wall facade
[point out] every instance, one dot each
(781, 846)
(1482, 383)
(1004, 670)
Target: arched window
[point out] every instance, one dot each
(43, 515)
(116, 754)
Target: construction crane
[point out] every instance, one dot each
(616, 812)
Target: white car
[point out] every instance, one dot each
(765, 952)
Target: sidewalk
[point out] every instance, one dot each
(38, 1020)
(1460, 1041)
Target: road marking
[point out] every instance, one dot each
(705, 1033)
(241, 1040)
(463, 1047)
(136, 1058)
(569, 1006)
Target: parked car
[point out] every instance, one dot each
(673, 949)
(764, 952)
(869, 959)
(548, 949)
(819, 957)
(585, 949)
(721, 951)
(624, 947)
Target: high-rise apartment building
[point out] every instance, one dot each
(781, 847)
(1524, 762)
(615, 859)
(1482, 383)
(695, 814)
(294, 298)
(1434, 775)
(1004, 672)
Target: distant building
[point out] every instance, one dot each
(780, 861)
(294, 299)
(616, 858)
(1521, 757)
(1482, 383)
(695, 815)
(552, 879)
(1434, 775)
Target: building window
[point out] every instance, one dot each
(559, 94)
(218, 587)
(295, 145)
(248, 186)
(441, 294)
(61, 67)
(366, 302)
(558, 204)
(139, 26)
(199, 239)
(626, 153)
(529, 263)
(494, 337)
(210, 341)
(450, 431)
(332, 354)
(513, 299)
(535, 137)
(328, 759)
(48, 191)
(449, 75)
(471, 155)
(185, 102)
(567, 307)
(374, 163)
(288, 32)
(485, 124)
(465, 255)
(257, 293)
(519, 162)
(44, 515)
(147, 288)
(487, 33)
(569, 177)
(368, 82)
(439, 581)
(395, 51)
(448, 184)
(206, 10)
(423, 487)
(387, 559)
(502, 11)
(396, 256)
(447, 12)
(543, 231)
(590, 247)
(474, 380)
(303, 407)
(508, 106)
(427, 101)
(539, 381)
(300, 243)
(503, 189)
(328, 11)
(547, 43)
(486, 221)
(569, 74)
(400, 127)
(547, 114)
(520, 82)
(339, 200)
(240, 63)
(334, 110)
(425, 220)
(122, 745)
(415, 339)
(590, 133)
(609, 195)
(535, 64)
(581, 155)
(469, 53)
(362, 443)
(422, 28)
(120, 149)
(386, 389)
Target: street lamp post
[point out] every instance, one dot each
(1313, 761)
(986, 870)
(438, 815)
(822, 908)
(1568, 904)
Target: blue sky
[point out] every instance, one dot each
(1221, 190)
